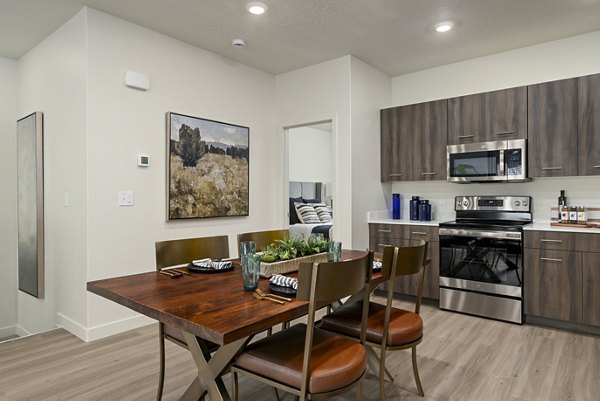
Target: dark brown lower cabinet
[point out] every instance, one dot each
(591, 288)
(553, 281)
(382, 235)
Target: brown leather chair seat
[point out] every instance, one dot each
(336, 362)
(405, 326)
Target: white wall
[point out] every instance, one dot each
(310, 155)
(52, 79)
(565, 58)
(8, 197)
(124, 122)
(313, 94)
(370, 92)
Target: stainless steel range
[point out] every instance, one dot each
(481, 256)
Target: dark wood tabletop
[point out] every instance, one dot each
(213, 306)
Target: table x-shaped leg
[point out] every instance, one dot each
(209, 371)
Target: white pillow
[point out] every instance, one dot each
(307, 213)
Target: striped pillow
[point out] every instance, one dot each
(306, 213)
(323, 211)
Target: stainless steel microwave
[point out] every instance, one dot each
(488, 161)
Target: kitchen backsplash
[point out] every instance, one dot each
(580, 191)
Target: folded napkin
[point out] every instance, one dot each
(284, 281)
(210, 264)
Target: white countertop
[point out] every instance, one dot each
(384, 217)
(544, 225)
(433, 223)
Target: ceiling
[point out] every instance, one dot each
(394, 36)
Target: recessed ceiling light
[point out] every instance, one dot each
(444, 26)
(257, 8)
(237, 42)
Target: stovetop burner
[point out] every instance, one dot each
(485, 225)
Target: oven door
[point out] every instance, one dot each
(476, 162)
(482, 261)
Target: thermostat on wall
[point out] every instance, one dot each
(143, 161)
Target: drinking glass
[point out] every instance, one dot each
(247, 247)
(334, 251)
(250, 271)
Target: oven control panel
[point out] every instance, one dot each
(495, 203)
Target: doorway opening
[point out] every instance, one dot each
(309, 165)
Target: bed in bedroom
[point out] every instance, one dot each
(308, 212)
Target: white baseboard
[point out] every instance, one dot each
(21, 332)
(8, 331)
(95, 333)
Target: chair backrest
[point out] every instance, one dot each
(262, 238)
(403, 261)
(183, 251)
(321, 283)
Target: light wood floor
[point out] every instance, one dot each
(461, 358)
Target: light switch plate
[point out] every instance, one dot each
(125, 198)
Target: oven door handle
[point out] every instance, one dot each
(510, 235)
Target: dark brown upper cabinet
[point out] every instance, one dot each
(413, 142)
(552, 129)
(489, 116)
(588, 110)
(429, 123)
(396, 151)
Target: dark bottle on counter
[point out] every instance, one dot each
(414, 208)
(562, 203)
(425, 210)
(396, 206)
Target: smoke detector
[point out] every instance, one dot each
(238, 42)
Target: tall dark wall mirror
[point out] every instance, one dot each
(30, 198)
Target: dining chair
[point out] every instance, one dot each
(304, 360)
(388, 328)
(176, 253)
(262, 238)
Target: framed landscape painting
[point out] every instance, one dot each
(207, 168)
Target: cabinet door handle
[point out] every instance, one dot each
(428, 173)
(551, 240)
(552, 168)
(396, 175)
(506, 133)
(466, 136)
(384, 245)
(551, 259)
(596, 166)
(384, 231)
(418, 233)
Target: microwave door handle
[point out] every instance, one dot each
(501, 165)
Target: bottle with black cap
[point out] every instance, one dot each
(562, 203)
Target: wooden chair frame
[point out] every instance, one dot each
(179, 252)
(406, 261)
(262, 238)
(397, 261)
(320, 283)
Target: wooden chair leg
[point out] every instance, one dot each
(276, 393)
(161, 374)
(416, 371)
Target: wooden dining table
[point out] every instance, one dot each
(210, 307)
